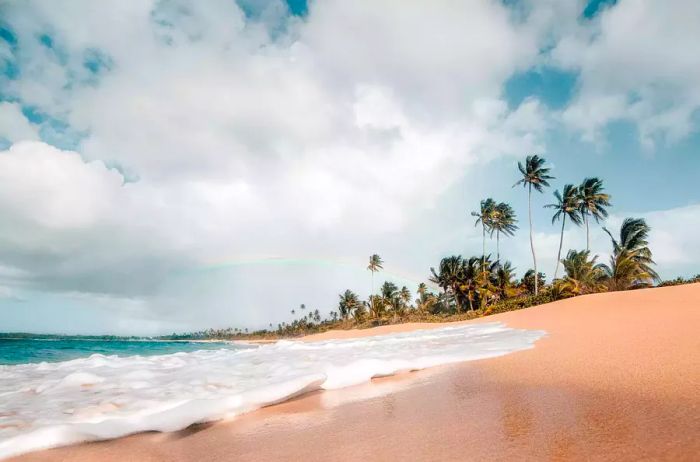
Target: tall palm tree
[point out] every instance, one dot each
(631, 260)
(484, 216)
(375, 264)
(535, 175)
(568, 205)
(503, 221)
(593, 202)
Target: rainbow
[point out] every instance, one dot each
(387, 273)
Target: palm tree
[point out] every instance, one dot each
(348, 302)
(422, 293)
(583, 275)
(375, 264)
(471, 278)
(405, 296)
(502, 276)
(593, 202)
(503, 221)
(389, 298)
(528, 281)
(484, 216)
(631, 261)
(449, 275)
(568, 205)
(422, 289)
(535, 175)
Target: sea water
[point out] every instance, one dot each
(100, 396)
(36, 350)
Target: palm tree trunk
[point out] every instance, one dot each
(498, 247)
(588, 234)
(371, 298)
(561, 240)
(532, 245)
(483, 246)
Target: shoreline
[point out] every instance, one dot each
(619, 368)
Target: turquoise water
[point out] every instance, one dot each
(20, 351)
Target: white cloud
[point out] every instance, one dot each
(636, 62)
(14, 126)
(209, 136)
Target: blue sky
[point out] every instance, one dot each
(159, 159)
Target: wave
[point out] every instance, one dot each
(101, 397)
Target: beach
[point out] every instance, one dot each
(616, 377)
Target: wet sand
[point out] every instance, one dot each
(616, 378)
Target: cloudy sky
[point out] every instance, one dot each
(172, 165)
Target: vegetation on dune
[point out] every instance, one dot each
(468, 287)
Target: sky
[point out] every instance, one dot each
(174, 166)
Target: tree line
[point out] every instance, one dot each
(480, 285)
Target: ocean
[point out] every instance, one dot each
(64, 392)
(22, 351)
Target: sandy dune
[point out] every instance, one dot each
(616, 378)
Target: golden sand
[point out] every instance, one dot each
(616, 378)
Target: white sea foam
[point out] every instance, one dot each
(100, 397)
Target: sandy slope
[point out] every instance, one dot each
(617, 378)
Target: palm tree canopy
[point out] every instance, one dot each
(592, 198)
(534, 173)
(389, 290)
(503, 219)
(582, 273)
(348, 302)
(631, 261)
(405, 294)
(375, 263)
(568, 204)
(485, 213)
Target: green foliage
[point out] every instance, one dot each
(631, 260)
(583, 275)
(375, 263)
(534, 173)
(592, 200)
(568, 205)
(679, 281)
(527, 283)
(349, 301)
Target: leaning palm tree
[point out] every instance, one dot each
(375, 264)
(484, 217)
(592, 201)
(631, 261)
(503, 221)
(535, 175)
(567, 205)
